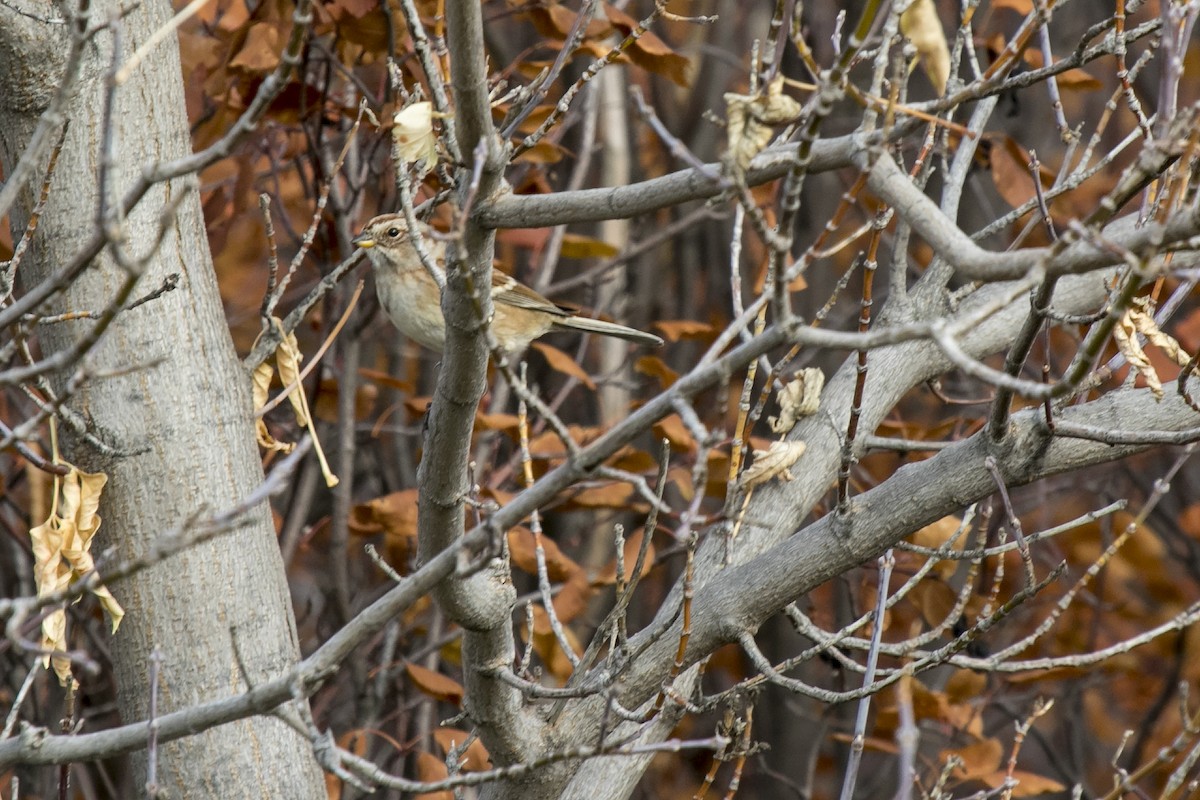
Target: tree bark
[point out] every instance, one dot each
(178, 410)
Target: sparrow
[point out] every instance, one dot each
(412, 298)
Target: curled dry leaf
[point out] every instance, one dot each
(287, 361)
(920, 24)
(772, 463)
(412, 135)
(62, 554)
(751, 118)
(800, 398)
(1138, 320)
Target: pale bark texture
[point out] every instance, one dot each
(178, 410)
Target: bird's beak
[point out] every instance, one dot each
(364, 240)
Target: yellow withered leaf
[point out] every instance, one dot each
(62, 554)
(1125, 336)
(920, 24)
(287, 361)
(1139, 320)
(750, 120)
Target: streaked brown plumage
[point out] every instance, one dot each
(412, 299)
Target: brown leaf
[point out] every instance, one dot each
(611, 495)
(1010, 169)
(633, 543)
(978, 759)
(650, 52)
(384, 379)
(434, 684)
(936, 535)
(546, 645)
(1029, 784)
(674, 330)
(1074, 78)
(563, 363)
(259, 53)
(508, 423)
(543, 152)
(655, 367)
(965, 685)
(555, 21)
(523, 552)
(475, 759)
(674, 431)
(571, 601)
(429, 769)
(934, 599)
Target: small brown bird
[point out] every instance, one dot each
(412, 299)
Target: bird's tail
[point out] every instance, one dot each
(607, 329)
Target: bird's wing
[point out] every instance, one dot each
(508, 291)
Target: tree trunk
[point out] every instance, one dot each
(179, 409)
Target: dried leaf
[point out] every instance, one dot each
(921, 25)
(1143, 323)
(1125, 336)
(62, 554)
(655, 367)
(978, 759)
(561, 362)
(523, 552)
(434, 684)
(649, 52)
(287, 361)
(546, 645)
(674, 431)
(430, 769)
(1028, 784)
(475, 759)
(571, 601)
(412, 135)
(259, 52)
(773, 463)
(800, 398)
(750, 120)
(936, 535)
(676, 329)
(608, 576)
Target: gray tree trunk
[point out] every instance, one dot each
(219, 613)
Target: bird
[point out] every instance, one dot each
(412, 298)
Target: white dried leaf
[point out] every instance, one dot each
(412, 134)
(1143, 323)
(750, 119)
(1125, 336)
(772, 463)
(800, 398)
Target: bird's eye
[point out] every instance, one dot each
(393, 232)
